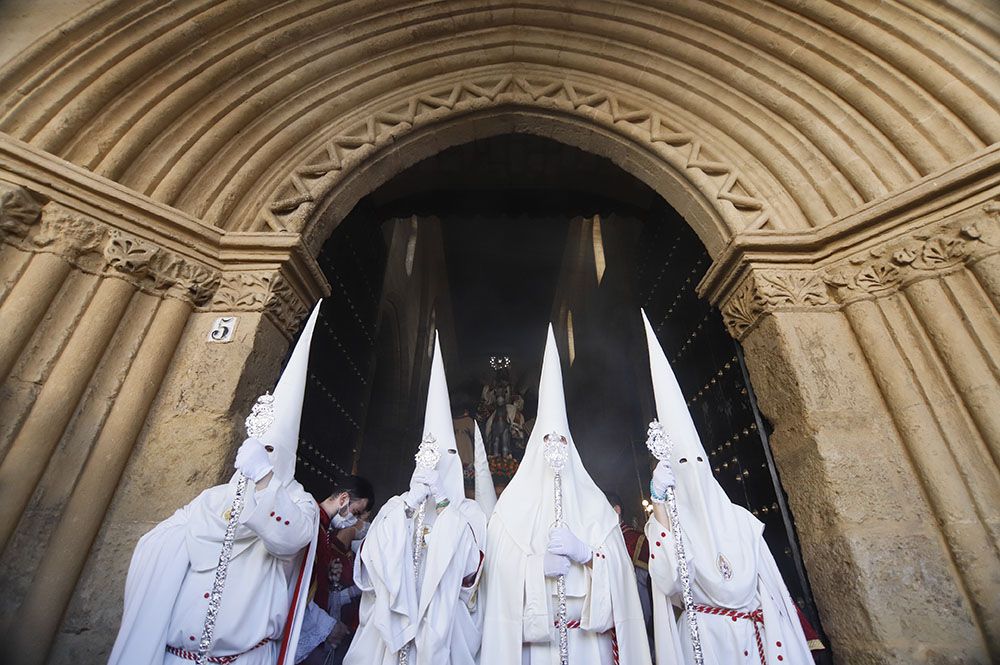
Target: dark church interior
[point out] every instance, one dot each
(488, 242)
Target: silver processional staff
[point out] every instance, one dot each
(257, 423)
(555, 451)
(661, 445)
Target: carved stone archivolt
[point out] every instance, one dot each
(926, 252)
(294, 200)
(256, 291)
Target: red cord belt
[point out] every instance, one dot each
(573, 624)
(223, 660)
(756, 618)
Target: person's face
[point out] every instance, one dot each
(618, 510)
(357, 507)
(339, 502)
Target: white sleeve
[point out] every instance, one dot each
(662, 560)
(538, 617)
(285, 524)
(598, 614)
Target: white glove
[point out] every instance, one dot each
(430, 478)
(252, 460)
(562, 541)
(420, 487)
(555, 565)
(663, 477)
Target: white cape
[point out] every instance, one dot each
(440, 617)
(723, 640)
(182, 545)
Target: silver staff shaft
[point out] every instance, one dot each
(418, 548)
(682, 571)
(561, 580)
(418, 527)
(661, 445)
(215, 597)
(427, 457)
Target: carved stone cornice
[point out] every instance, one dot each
(926, 252)
(100, 227)
(939, 224)
(95, 248)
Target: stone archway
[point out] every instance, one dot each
(840, 163)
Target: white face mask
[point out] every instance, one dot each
(360, 536)
(343, 521)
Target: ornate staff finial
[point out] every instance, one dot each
(261, 416)
(427, 453)
(555, 451)
(658, 441)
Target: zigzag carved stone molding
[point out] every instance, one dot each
(722, 183)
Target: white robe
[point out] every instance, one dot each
(522, 612)
(723, 640)
(441, 617)
(174, 565)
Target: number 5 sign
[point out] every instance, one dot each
(223, 329)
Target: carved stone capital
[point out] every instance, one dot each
(128, 254)
(93, 247)
(158, 270)
(261, 291)
(923, 253)
(19, 211)
(70, 234)
(766, 291)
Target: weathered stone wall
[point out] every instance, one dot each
(164, 164)
(874, 353)
(107, 302)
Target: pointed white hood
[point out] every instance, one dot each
(712, 524)
(283, 434)
(527, 506)
(486, 493)
(438, 424)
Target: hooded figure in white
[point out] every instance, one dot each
(431, 613)
(174, 565)
(744, 612)
(486, 491)
(525, 554)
